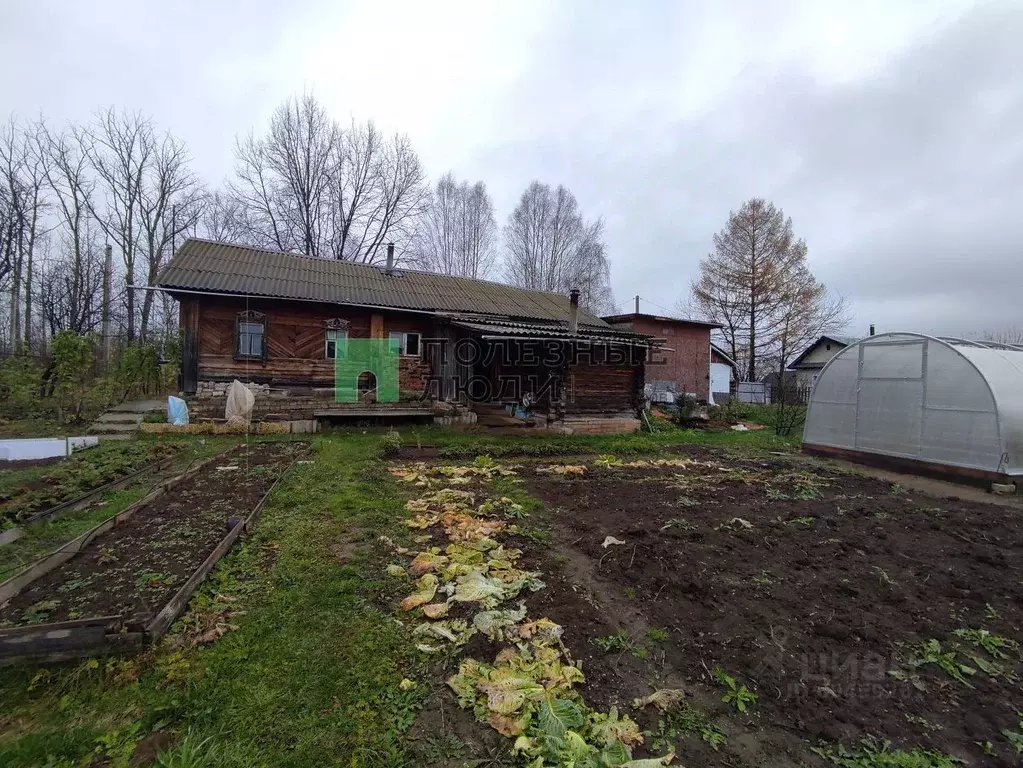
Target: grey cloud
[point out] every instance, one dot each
(906, 183)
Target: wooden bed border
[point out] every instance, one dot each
(107, 635)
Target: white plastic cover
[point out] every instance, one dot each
(240, 401)
(946, 401)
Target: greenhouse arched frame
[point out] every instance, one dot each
(934, 404)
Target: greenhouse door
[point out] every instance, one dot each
(890, 397)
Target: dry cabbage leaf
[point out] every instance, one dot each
(427, 585)
(428, 562)
(562, 469)
(666, 699)
(395, 570)
(436, 610)
(493, 623)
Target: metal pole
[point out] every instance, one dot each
(637, 304)
(108, 268)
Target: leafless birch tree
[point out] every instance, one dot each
(458, 235)
(550, 247)
(22, 204)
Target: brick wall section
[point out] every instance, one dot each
(688, 362)
(413, 374)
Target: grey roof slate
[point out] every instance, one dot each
(207, 266)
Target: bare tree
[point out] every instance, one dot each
(170, 203)
(551, 248)
(758, 286)
(22, 176)
(70, 285)
(222, 218)
(120, 148)
(458, 235)
(1010, 335)
(68, 291)
(311, 186)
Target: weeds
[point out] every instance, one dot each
(897, 490)
(191, 752)
(683, 723)
(678, 522)
(657, 635)
(619, 642)
(806, 520)
(736, 696)
(877, 753)
(923, 722)
(1015, 738)
(995, 645)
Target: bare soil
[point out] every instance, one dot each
(811, 602)
(133, 570)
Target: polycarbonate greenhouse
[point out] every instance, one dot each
(951, 403)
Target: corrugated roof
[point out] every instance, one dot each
(533, 330)
(203, 265)
(627, 316)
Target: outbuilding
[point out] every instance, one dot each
(934, 405)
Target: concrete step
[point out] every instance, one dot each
(119, 417)
(113, 427)
(493, 420)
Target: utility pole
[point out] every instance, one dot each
(637, 304)
(108, 268)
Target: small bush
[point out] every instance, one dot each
(20, 384)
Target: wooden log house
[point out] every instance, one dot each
(465, 348)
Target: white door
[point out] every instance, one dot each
(720, 378)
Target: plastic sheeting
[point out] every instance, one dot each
(946, 401)
(240, 401)
(177, 411)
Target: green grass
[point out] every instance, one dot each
(38, 427)
(468, 445)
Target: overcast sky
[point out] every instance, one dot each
(891, 132)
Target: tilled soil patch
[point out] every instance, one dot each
(133, 570)
(809, 586)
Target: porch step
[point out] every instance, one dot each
(504, 420)
(495, 409)
(120, 417)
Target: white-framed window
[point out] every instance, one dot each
(334, 344)
(405, 343)
(250, 336)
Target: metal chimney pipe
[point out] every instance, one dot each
(871, 329)
(573, 311)
(390, 258)
(637, 304)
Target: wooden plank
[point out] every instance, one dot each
(113, 643)
(177, 604)
(10, 535)
(87, 498)
(47, 563)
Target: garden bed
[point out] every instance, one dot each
(856, 611)
(123, 579)
(29, 492)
